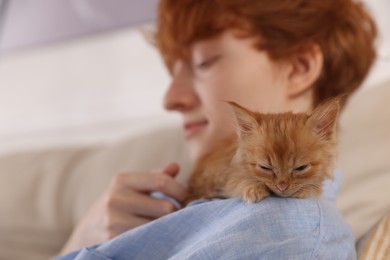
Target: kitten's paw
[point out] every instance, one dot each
(254, 194)
(307, 193)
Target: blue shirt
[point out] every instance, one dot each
(275, 228)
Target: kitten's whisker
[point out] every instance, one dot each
(313, 185)
(257, 179)
(249, 181)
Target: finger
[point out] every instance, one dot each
(140, 204)
(152, 182)
(167, 185)
(171, 169)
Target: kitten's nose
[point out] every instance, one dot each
(282, 186)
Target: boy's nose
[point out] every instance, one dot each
(181, 95)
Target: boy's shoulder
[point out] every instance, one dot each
(274, 228)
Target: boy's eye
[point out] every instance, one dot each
(207, 63)
(301, 168)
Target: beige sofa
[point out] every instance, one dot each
(364, 198)
(44, 193)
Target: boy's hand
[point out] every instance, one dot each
(127, 204)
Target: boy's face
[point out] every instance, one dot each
(225, 68)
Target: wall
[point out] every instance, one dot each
(87, 89)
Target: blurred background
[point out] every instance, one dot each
(81, 71)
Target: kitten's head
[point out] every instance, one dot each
(292, 154)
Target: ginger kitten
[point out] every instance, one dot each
(286, 154)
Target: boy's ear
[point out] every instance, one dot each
(305, 68)
(246, 121)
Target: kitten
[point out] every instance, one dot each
(287, 154)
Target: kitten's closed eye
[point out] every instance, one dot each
(301, 168)
(265, 167)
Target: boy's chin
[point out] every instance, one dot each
(198, 147)
(196, 151)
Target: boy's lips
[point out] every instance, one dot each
(192, 128)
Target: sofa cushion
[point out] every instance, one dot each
(364, 158)
(375, 244)
(43, 194)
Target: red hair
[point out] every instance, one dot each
(343, 29)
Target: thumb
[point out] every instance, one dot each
(171, 169)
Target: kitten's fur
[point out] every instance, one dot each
(287, 154)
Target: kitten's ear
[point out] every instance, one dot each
(246, 120)
(324, 118)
